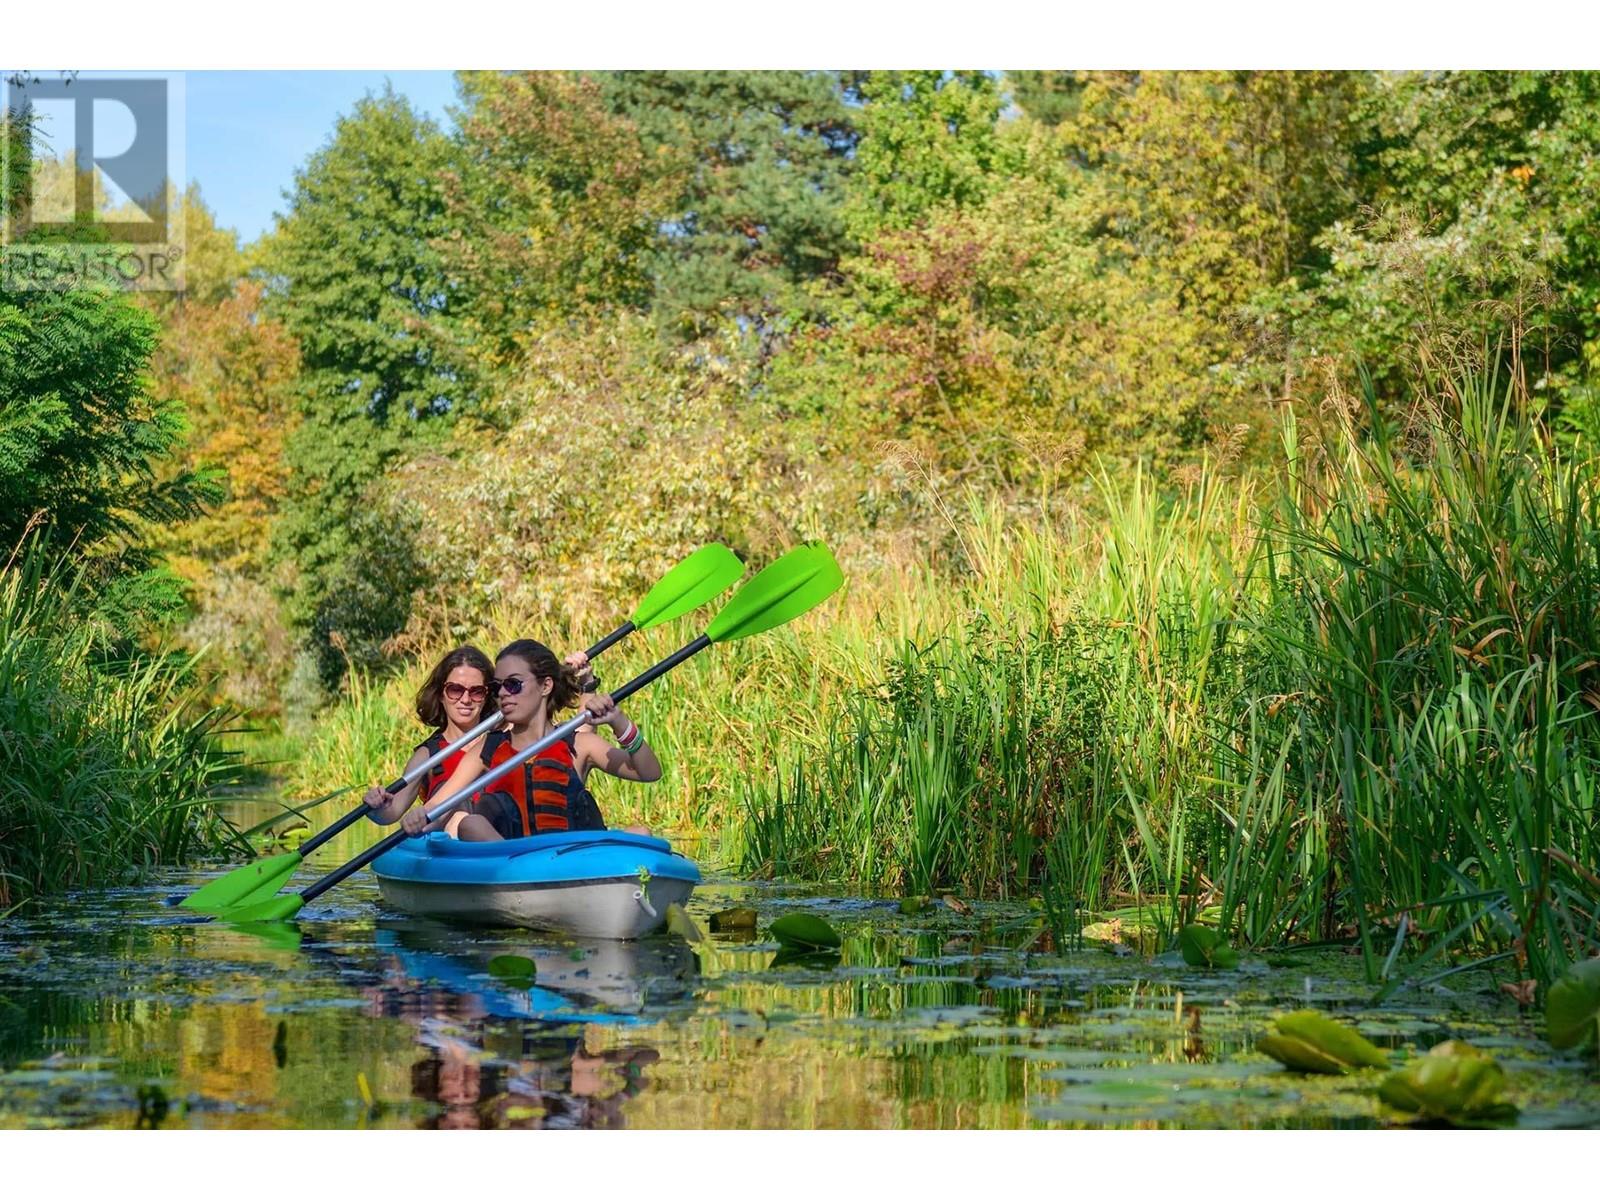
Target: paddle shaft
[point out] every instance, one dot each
(504, 769)
(422, 768)
(610, 639)
(410, 777)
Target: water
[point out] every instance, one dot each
(119, 1011)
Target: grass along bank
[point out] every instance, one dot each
(107, 765)
(1364, 711)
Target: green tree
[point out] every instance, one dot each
(928, 139)
(552, 210)
(81, 438)
(762, 160)
(1478, 189)
(357, 280)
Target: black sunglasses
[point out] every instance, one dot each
(511, 687)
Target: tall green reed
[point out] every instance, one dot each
(106, 767)
(1434, 595)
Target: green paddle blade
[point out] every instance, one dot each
(274, 935)
(704, 575)
(279, 908)
(780, 592)
(243, 883)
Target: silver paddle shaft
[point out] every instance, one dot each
(433, 760)
(516, 760)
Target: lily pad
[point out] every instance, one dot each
(804, 930)
(910, 906)
(732, 918)
(513, 969)
(1310, 1042)
(1453, 1082)
(1204, 947)
(1572, 1007)
(805, 956)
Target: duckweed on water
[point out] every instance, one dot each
(934, 1020)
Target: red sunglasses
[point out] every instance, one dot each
(454, 691)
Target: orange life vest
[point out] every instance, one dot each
(548, 790)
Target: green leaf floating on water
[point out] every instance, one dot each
(1453, 1082)
(682, 924)
(805, 956)
(802, 929)
(1204, 947)
(1308, 1041)
(1572, 1006)
(513, 969)
(910, 906)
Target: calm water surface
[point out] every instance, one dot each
(119, 1011)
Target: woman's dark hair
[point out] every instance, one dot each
(543, 663)
(430, 696)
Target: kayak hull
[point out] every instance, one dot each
(599, 885)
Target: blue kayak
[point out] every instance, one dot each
(599, 980)
(602, 884)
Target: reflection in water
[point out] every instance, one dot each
(499, 1056)
(116, 1011)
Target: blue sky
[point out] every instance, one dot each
(247, 131)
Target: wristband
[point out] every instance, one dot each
(633, 744)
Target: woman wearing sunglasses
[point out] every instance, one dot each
(452, 701)
(547, 794)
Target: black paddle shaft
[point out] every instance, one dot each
(394, 839)
(610, 640)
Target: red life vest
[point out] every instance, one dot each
(547, 790)
(439, 772)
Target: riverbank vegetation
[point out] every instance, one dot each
(108, 739)
(1209, 455)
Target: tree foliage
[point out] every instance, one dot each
(357, 281)
(760, 161)
(81, 438)
(552, 209)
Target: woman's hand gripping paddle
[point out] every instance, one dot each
(701, 577)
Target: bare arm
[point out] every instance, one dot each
(594, 751)
(385, 808)
(597, 753)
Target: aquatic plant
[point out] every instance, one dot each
(805, 932)
(1202, 947)
(108, 765)
(1311, 1042)
(1454, 1082)
(1572, 1007)
(518, 970)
